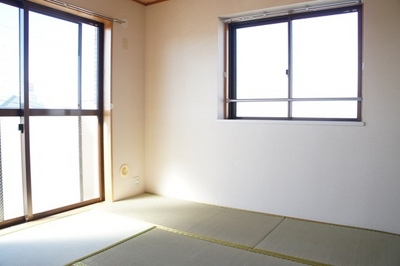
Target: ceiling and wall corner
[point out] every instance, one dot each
(148, 2)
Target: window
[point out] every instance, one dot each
(301, 66)
(51, 111)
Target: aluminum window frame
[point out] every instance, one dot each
(26, 111)
(231, 99)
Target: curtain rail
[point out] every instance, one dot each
(306, 8)
(84, 10)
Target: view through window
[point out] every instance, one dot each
(50, 148)
(300, 66)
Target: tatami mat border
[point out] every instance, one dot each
(242, 247)
(79, 262)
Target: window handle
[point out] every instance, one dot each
(21, 128)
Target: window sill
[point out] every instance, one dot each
(291, 122)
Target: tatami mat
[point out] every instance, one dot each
(189, 233)
(316, 242)
(61, 241)
(160, 248)
(240, 227)
(335, 245)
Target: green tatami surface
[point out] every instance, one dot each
(155, 230)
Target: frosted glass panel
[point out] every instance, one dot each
(62, 173)
(326, 109)
(9, 57)
(262, 109)
(90, 157)
(11, 189)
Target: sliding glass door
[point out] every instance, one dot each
(50, 111)
(11, 173)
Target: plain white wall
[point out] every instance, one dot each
(346, 175)
(128, 86)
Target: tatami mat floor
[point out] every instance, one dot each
(155, 230)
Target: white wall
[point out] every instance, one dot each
(128, 97)
(347, 175)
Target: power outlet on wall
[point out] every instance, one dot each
(135, 181)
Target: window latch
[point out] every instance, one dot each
(21, 128)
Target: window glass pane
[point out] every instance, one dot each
(262, 109)
(324, 63)
(325, 56)
(11, 191)
(53, 62)
(325, 109)
(64, 163)
(90, 157)
(262, 61)
(89, 66)
(9, 57)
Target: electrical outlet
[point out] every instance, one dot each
(135, 181)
